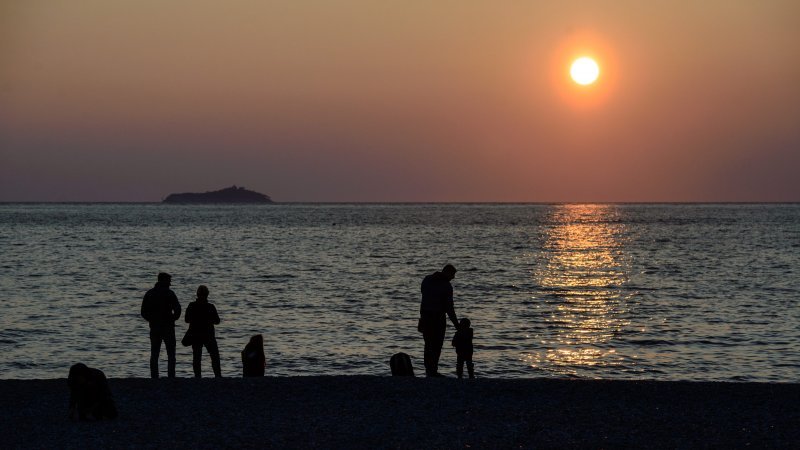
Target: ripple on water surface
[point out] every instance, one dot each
(699, 292)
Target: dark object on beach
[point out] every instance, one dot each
(160, 308)
(89, 394)
(436, 306)
(253, 360)
(232, 194)
(400, 364)
(201, 317)
(462, 341)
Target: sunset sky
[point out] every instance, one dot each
(364, 100)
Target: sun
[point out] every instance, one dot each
(584, 71)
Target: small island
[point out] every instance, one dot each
(231, 194)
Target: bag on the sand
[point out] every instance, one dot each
(188, 338)
(400, 363)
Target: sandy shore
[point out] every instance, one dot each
(370, 412)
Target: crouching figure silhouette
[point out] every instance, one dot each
(89, 394)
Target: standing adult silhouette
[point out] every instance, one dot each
(437, 301)
(161, 309)
(201, 317)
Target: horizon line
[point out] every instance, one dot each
(274, 203)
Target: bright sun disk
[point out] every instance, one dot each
(584, 71)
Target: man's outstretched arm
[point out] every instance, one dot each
(451, 313)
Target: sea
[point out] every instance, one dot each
(599, 291)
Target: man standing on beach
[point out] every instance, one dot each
(161, 309)
(437, 301)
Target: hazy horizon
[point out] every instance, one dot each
(369, 102)
(345, 202)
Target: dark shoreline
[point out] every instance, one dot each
(381, 412)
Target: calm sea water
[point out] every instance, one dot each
(666, 292)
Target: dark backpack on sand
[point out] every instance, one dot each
(400, 364)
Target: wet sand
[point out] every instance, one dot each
(385, 412)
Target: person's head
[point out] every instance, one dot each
(202, 292)
(464, 323)
(78, 375)
(449, 271)
(257, 339)
(165, 278)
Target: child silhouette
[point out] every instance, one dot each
(462, 341)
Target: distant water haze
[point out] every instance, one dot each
(664, 292)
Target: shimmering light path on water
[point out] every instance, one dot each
(689, 292)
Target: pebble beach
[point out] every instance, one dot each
(398, 412)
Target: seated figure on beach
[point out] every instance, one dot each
(437, 302)
(160, 308)
(89, 394)
(201, 317)
(253, 360)
(462, 341)
(400, 363)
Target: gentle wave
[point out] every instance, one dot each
(672, 292)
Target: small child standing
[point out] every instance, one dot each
(462, 341)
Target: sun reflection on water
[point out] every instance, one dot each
(580, 272)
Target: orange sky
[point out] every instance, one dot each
(400, 101)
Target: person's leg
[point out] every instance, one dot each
(104, 409)
(460, 366)
(433, 345)
(108, 408)
(430, 339)
(433, 333)
(197, 354)
(213, 352)
(155, 350)
(470, 367)
(169, 342)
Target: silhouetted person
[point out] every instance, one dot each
(437, 301)
(89, 394)
(201, 317)
(253, 360)
(161, 309)
(400, 363)
(462, 341)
